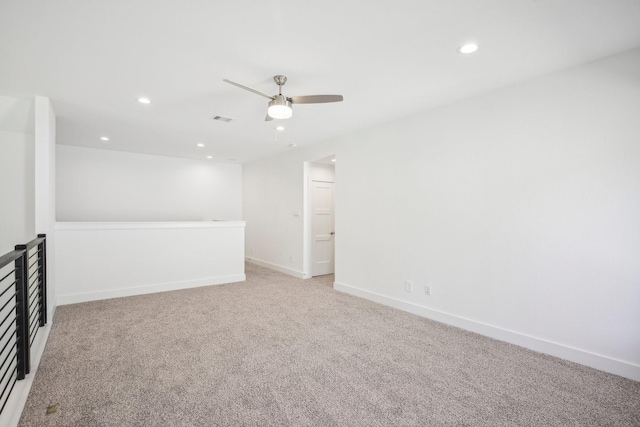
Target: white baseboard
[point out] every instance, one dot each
(276, 267)
(596, 361)
(63, 299)
(51, 310)
(18, 397)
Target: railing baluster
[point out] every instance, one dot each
(22, 313)
(42, 264)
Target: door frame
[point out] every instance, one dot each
(307, 238)
(307, 218)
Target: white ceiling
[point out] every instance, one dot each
(388, 59)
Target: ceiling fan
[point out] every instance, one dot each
(280, 105)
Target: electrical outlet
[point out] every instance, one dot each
(427, 290)
(408, 286)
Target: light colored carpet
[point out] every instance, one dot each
(280, 351)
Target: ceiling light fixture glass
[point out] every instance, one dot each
(144, 100)
(200, 145)
(280, 108)
(209, 157)
(104, 138)
(468, 48)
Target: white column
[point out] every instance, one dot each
(45, 188)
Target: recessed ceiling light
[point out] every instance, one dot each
(200, 144)
(209, 157)
(468, 48)
(280, 127)
(144, 100)
(104, 138)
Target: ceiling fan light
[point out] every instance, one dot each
(280, 108)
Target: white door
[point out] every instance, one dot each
(322, 227)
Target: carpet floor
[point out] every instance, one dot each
(279, 351)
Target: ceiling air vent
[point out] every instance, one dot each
(222, 119)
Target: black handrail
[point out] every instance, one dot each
(22, 312)
(9, 258)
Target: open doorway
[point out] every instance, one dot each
(319, 217)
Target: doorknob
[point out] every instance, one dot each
(333, 232)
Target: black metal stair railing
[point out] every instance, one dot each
(23, 310)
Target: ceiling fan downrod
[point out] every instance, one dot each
(280, 81)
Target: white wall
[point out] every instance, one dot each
(273, 206)
(17, 208)
(17, 212)
(322, 172)
(103, 185)
(519, 208)
(108, 260)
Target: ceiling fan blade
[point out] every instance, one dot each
(315, 99)
(250, 89)
(268, 118)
